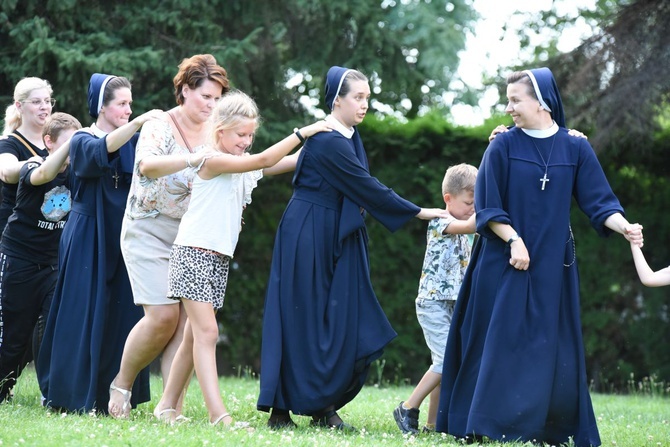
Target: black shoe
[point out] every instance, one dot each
(407, 420)
(280, 419)
(326, 422)
(278, 424)
(427, 429)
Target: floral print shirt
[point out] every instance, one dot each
(168, 195)
(447, 256)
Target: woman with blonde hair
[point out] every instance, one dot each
(22, 136)
(168, 153)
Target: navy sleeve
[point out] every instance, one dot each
(88, 155)
(592, 190)
(490, 185)
(342, 169)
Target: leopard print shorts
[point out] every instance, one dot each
(198, 275)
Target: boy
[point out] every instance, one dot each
(447, 256)
(29, 246)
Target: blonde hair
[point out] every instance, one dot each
(459, 178)
(22, 91)
(57, 123)
(232, 110)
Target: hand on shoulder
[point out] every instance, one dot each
(150, 115)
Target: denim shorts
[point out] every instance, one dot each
(435, 319)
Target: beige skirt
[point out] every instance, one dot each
(146, 245)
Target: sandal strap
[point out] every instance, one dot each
(125, 393)
(220, 418)
(126, 399)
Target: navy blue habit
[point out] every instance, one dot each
(92, 310)
(322, 324)
(514, 366)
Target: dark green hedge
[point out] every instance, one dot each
(625, 325)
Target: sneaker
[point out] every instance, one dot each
(407, 420)
(427, 429)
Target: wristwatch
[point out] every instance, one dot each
(515, 237)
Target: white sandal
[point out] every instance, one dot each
(125, 408)
(220, 418)
(164, 415)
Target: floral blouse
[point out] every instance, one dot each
(447, 257)
(168, 195)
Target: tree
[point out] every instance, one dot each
(614, 85)
(408, 47)
(618, 81)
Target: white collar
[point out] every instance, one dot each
(542, 133)
(338, 126)
(97, 131)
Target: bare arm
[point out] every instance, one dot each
(154, 166)
(462, 226)
(286, 164)
(519, 257)
(432, 213)
(119, 137)
(51, 166)
(632, 232)
(648, 277)
(10, 167)
(263, 160)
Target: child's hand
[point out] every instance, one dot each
(196, 159)
(499, 129)
(633, 234)
(576, 133)
(319, 126)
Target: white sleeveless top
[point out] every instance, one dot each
(213, 220)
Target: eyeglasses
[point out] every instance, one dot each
(38, 102)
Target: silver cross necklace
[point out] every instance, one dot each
(544, 179)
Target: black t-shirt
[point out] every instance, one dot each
(34, 228)
(11, 145)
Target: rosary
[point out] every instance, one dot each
(545, 179)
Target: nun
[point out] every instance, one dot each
(514, 366)
(322, 323)
(92, 309)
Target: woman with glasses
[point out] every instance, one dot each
(22, 136)
(22, 139)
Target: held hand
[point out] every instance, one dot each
(432, 213)
(633, 234)
(319, 126)
(499, 129)
(519, 258)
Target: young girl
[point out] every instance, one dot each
(207, 237)
(649, 277)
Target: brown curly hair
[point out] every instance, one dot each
(196, 69)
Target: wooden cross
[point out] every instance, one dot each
(116, 180)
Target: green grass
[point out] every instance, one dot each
(637, 420)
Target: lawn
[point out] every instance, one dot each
(634, 420)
